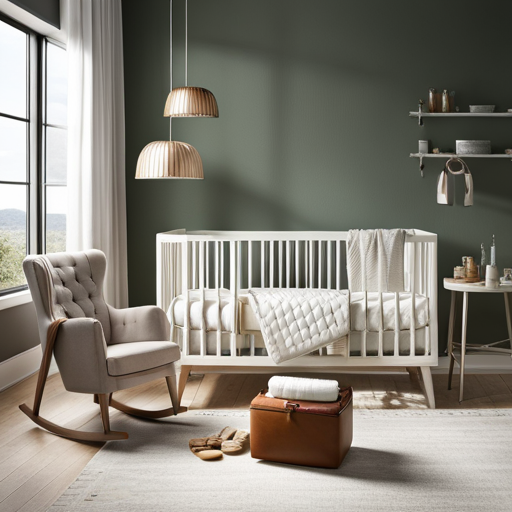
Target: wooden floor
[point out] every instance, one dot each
(36, 467)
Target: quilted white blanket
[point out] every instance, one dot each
(294, 322)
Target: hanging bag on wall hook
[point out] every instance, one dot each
(468, 178)
(468, 195)
(443, 196)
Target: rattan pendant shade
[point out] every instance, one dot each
(191, 102)
(169, 159)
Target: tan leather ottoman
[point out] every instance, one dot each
(300, 432)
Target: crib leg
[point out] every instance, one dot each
(412, 371)
(428, 386)
(184, 373)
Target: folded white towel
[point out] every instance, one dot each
(296, 388)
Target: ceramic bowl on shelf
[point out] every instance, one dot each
(481, 109)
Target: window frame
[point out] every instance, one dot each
(44, 125)
(35, 177)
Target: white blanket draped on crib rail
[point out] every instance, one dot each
(375, 260)
(295, 322)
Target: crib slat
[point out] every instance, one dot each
(288, 264)
(251, 341)
(397, 324)
(219, 303)
(194, 265)
(320, 263)
(202, 293)
(412, 328)
(233, 260)
(363, 347)
(349, 326)
(217, 263)
(185, 292)
(381, 325)
(207, 284)
(239, 263)
(338, 265)
(297, 263)
(161, 275)
(222, 282)
(262, 277)
(271, 264)
(311, 264)
(329, 265)
(249, 264)
(428, 293)
(280, 257)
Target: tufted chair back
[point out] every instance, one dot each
(68, 285)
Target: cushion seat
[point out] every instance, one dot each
(126, 358)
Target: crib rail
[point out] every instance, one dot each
(221, 262)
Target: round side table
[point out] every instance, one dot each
(456, 286)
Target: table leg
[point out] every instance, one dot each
(451, 323)
(463, 343)
(507, 313)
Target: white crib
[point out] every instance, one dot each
(202, 282)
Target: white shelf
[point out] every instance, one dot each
(448, 155)
(460, 114)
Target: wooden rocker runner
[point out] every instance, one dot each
(98, 349)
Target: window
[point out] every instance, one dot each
(55, 149)
(33, 149)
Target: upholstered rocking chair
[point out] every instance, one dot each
(98, 349)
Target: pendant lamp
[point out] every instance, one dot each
(190, 101)
(168, 158)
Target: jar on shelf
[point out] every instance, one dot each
(459, 273)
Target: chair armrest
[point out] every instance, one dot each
(145, 323)
(81, 354)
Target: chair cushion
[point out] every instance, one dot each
(137, 356)
(78, 286)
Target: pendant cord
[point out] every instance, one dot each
(170, 63)
(186, 43)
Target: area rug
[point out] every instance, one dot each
(400, 460)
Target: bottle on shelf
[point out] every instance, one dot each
(445, 101)
(492, 278)
(493, 252)
(483, 262)
(432, 100)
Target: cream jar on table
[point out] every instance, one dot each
(492, 277)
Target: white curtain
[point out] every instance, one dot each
(96, 138)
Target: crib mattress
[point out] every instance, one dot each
(248, 323)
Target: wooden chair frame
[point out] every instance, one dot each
(104, 400)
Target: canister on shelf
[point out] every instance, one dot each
(423, 146)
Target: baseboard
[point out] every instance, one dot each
(478, 363)
(19, 367)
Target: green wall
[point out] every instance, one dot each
(314, 132)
